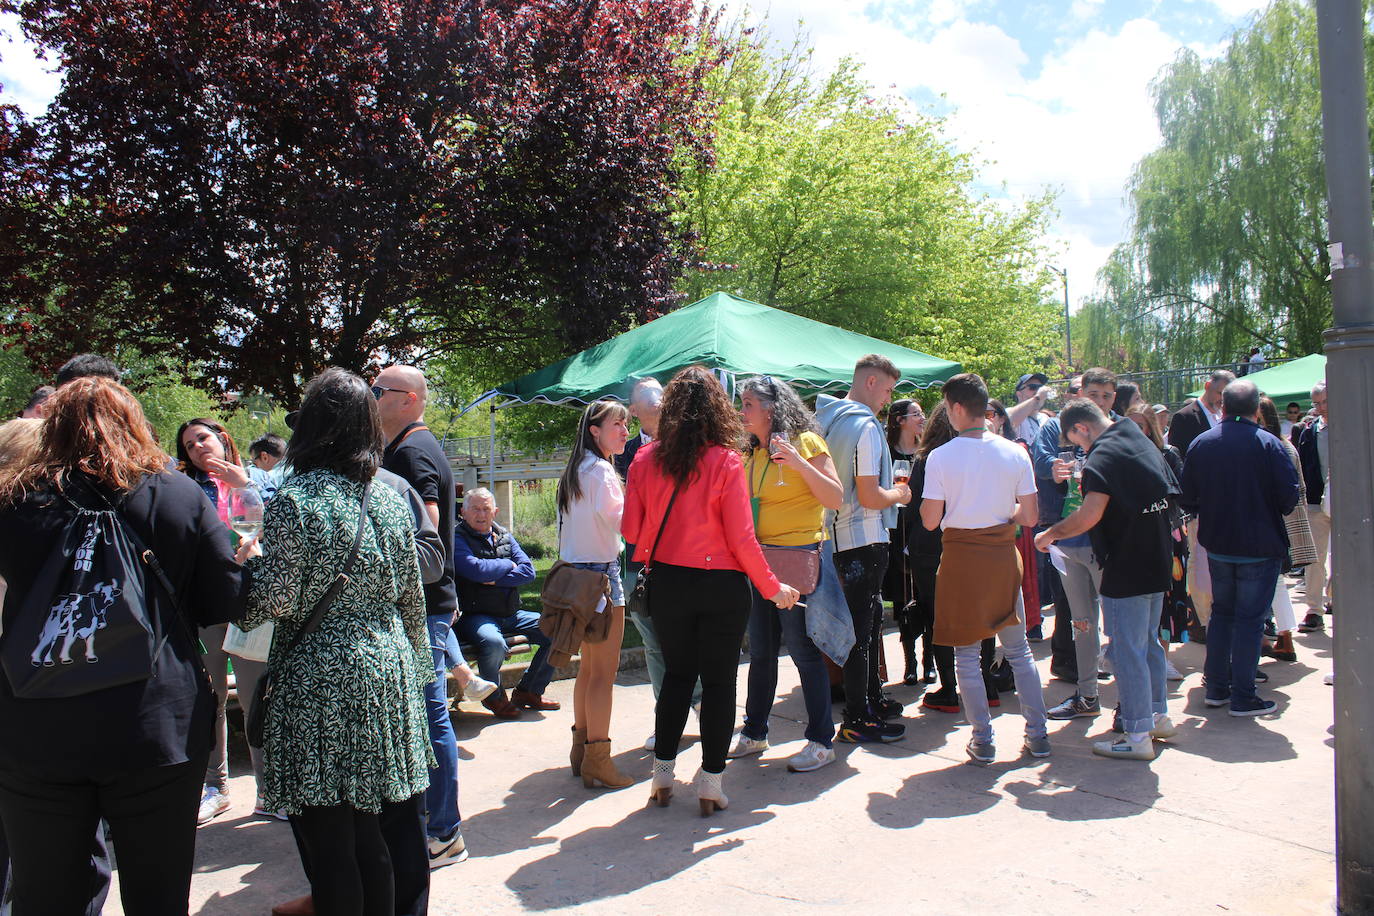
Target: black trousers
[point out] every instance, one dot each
(362, 864)
(51, 822)
(1063, 657)
(700, 616)
(861, 573)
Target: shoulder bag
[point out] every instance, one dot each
(639, 596)
(262, 697)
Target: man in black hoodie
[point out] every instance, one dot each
(1126, 488)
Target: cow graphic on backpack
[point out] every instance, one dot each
(75, 618)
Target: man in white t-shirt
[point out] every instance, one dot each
(978, 488)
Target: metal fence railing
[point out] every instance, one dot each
(1172, 386)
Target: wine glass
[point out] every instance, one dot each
(901, 471)
(245, 512)
(775, 453)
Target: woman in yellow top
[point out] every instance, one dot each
(792, 481)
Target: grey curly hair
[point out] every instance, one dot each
(791, 417)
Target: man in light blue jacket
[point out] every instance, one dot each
(855, 437)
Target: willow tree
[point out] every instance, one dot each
(1228, 247)
(858, 211)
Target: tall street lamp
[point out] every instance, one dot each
(1350, 377)
(1068, 341)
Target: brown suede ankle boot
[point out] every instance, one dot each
(579, 750)
(597, 767)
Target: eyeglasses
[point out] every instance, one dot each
(379, 390)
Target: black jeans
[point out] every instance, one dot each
(400, 824)
(700, 616)
(861, 572)
(51, 823)
(362, 864)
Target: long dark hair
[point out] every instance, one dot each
(896, 411)
(697, 414)
(1126, 392)
(938, 431)
(597, 413)
(1269, 412)
(231, 451)
(94, 426)
(996, 406)
(337, 428)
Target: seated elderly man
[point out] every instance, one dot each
(490, 567)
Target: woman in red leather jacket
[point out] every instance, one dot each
(704, 555)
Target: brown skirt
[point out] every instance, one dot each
(976, 586)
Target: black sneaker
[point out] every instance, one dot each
(1076, 706)
(1312, 623)
(1270, 630)
(871, 732)
(1035, 634)
(1116, 720)
(887, 707)
(1257, 708)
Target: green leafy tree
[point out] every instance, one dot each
(1228, 248)
(858, 211)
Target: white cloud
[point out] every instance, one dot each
(28, 82)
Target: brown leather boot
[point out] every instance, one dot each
(501, 707)
(597, 767)
(1283, 648)
(579, 750)
(533, 700)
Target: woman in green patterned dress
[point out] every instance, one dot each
(346, 738)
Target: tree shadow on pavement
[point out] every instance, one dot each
(648, 846)
(533, 804)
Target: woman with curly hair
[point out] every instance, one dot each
(792, 481)
(688, 506)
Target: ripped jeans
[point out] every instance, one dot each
(861, 572)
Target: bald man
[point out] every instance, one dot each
(414, 454)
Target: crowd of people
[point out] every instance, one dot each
(344, 615)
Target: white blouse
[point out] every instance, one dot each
(590, 531)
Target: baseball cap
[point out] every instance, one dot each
(1040, 377)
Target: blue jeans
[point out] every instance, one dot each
(1241, 596)
(1028, 691)
(1137, 658)
(488, 636)
(767, 626)
(441, 798)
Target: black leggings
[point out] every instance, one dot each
(700, 616)
(353, 860)
(51, 825)
(924, 574)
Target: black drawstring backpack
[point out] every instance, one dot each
(85, 624)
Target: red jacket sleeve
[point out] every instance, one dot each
(632, 522)
(737, 521)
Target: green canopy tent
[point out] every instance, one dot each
(734, 336)
(1290, 381)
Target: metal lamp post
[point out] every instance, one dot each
(1068, 341)
(1350, 382)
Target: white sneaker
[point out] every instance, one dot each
(746, 746)
(447, 850)
(262, 810)
(1163, 729)
(477, 689)
(213, 803)
(650, 741)
(812, 757)
(1171, 672)
(1329, 679)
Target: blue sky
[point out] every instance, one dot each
(1045, 93)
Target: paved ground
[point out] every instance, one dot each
(1234, 816)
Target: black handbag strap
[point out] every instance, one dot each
(318, 611)
(649, 560)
